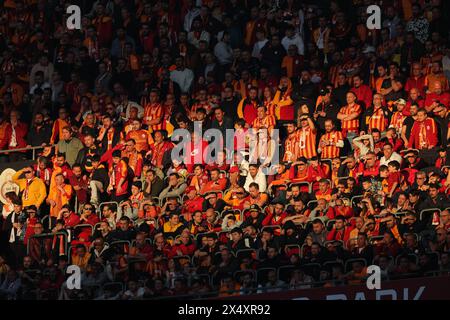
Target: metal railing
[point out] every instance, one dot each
(33, 149)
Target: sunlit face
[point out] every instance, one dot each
(66, 134)
(377, 100)
(350, 98)
(329, 126)
(437, 88)
(254, 192)
(387, 151)
(421, 116)
(218, 114)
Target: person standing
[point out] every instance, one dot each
(32, 188)
(69, 145)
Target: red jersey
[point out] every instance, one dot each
(142, 139)
(351, 125)
(307, 142)
(158, 151)
(119, 171)
(331, 151)
(415, 83)
(364, 94)
(443, 98)
(291, 147)
(135, 162)
(153, 111)
(397, 121)
(377, 120)
(423, 134)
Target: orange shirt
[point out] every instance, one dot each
(16, 92)
(291, 147)
(307, 142)
(331, 151)
(118, 172)
(377, 120)
(135, 162)
(432, 78)
(351, 125)
(57, 129)
(218, 185)
(268, 122)
(142, 139)
(293, 65)
(60, 197)
(153, 111)
(397, 120)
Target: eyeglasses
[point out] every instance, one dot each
(88, 208)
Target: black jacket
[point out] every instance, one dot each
(38, 137)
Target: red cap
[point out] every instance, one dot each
(234, 169)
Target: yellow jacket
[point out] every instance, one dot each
(36, 190)
(81, 262)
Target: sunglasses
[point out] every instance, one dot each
(88, 208)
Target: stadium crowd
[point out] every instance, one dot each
(362, 117)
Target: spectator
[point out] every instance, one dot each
(69, 145)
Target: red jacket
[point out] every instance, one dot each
(186, 250)
(270, 220)
(343, 235)
(314, 173)
(431, 136)
(364, 94)
(21, 136)
(369, 172)
(92, 219)
(442, 98)
(193, 205)
(418, 83)
(72, 220)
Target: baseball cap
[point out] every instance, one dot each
(254, 207)
(234, 169)
(400, 101)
